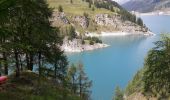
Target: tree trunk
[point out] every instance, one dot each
(55, 73)
(31, 62)
(39, 63)
(80, 86)
(20, 60)
(17, 64)
(74, 85)
(5, 63)
(27, 61)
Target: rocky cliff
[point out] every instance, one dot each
(99, 23)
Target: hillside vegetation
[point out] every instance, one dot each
(30, 87)
(93, 16)
(152, 81)
(78, 7)
(31, 58)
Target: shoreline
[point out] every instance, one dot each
(118, 33)
(75, 46)
(159, 13)
(70, 49)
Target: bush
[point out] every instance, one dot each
(91, 42)
(71, 33)
(60, 8)
(139, 21)
(118, 94)
(96, 40)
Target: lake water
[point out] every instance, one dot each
(117, 64)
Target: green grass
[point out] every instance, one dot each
(78, 7)
(30, 87)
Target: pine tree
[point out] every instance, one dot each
(139, 21)
(157, 69)
(118, 94)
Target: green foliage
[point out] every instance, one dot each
(60, 8)
(106, 4)
(71, 33)
(93, 8)
(125, 15)
(118, 94)
(79, 82)
(139, 21)
(29, 39)
(153, 79)
(93, 40)
(136, 85)
(31, 87)
(96, 40)
(157, 72)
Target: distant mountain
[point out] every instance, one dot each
(146, 5)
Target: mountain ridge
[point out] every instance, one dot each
(144, 6)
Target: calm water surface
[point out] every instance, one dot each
(117, 64)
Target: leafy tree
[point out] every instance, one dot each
(5, 5)
(27, 33)
(72, 74)
(83, 82)
(80, 83)
(118, 94)
(157, 69)
(136, 84)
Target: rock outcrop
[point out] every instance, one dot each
(59, 18)
(82, 20)
(76, 45)
(116, 22)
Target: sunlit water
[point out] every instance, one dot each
(117, 64)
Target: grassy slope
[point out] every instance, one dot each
(78, 7)
(30, 87)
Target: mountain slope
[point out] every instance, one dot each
(95, 16)
(146, 5)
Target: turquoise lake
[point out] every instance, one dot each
(116, 65)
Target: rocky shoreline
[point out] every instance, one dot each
(76, 46)
(103, 25)
(118, 33)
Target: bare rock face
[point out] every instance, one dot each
(116, 22)
(59, 18)
(82, 20)
(106, 20)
